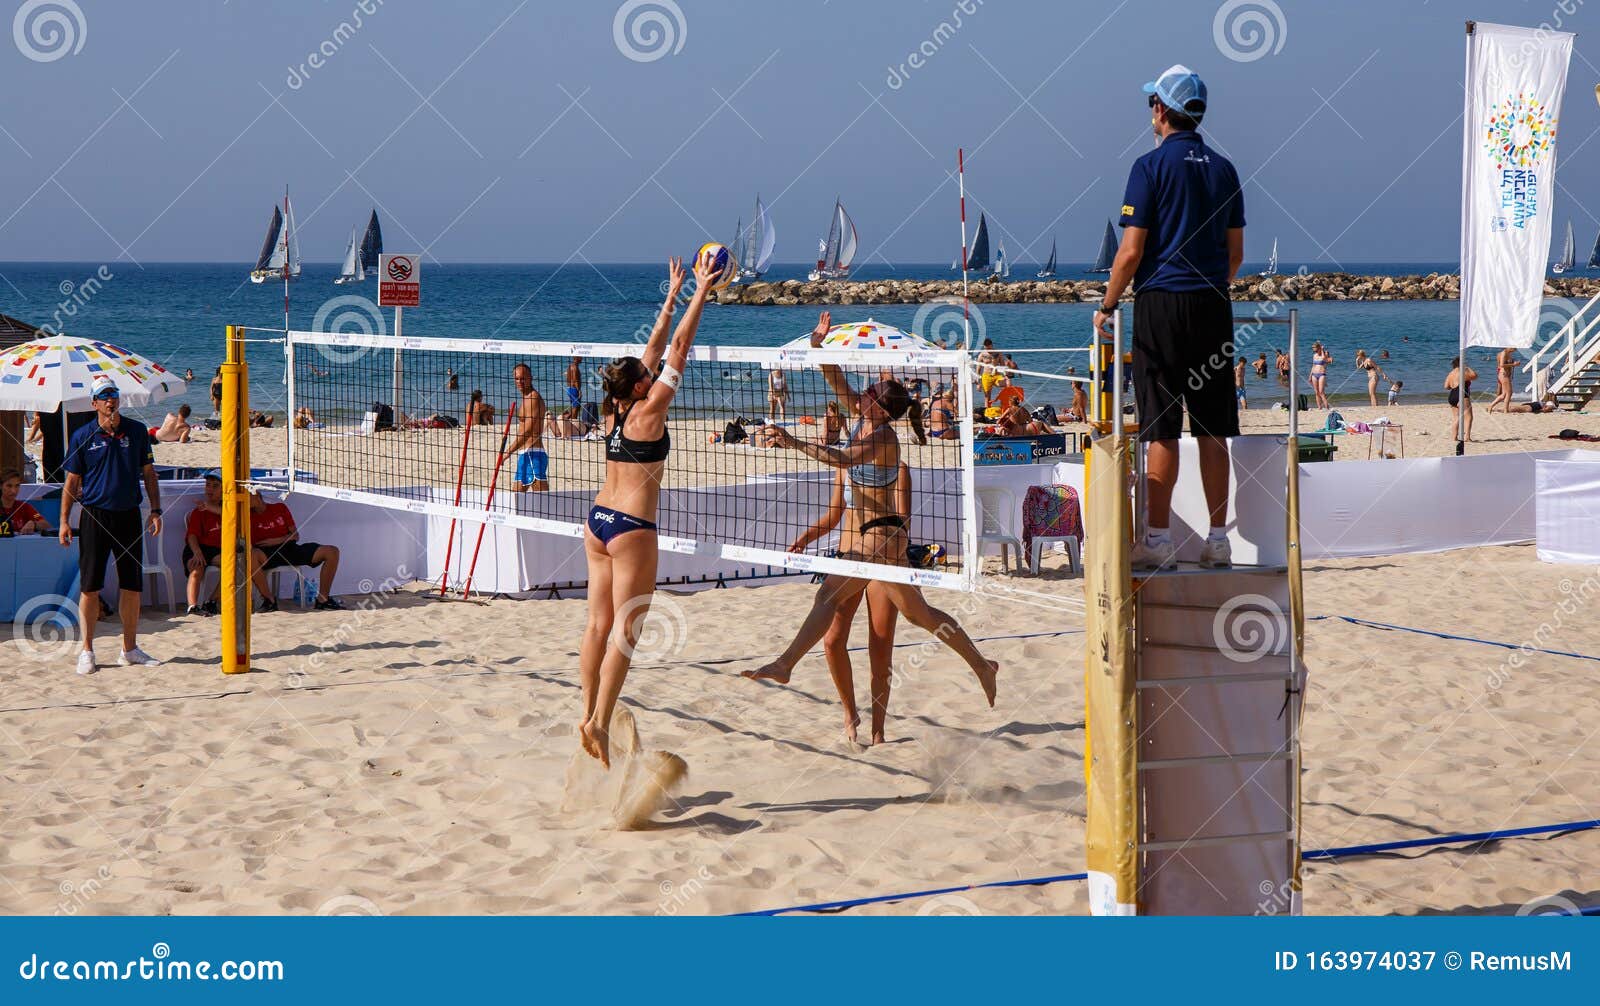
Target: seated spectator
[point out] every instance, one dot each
(942, 418)
(479, 412)
(1016, 422)
(17, 517)
(202, 542)
(260, 419)
(174, 429)
(275, 542)
(1078, 412)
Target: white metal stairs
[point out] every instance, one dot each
(1566, 369)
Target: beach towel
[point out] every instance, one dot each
(1050, 511)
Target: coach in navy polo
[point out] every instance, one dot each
(1182, 243)
(106, 461)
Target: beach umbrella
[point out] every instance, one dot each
(59, 369)
(869, 336)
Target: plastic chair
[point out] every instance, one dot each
(994, 501)
(305, 584)
(1051, 514)
(1074, 555)
(152, 565)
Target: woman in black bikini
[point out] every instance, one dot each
(874, 531)
(1458, 401)
(622, 564)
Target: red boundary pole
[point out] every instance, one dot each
(461, 471)
(466, 589)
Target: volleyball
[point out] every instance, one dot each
(722, 259)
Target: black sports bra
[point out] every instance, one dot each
(638, 452)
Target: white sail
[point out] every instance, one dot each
(1568, 252)
(1272, 261)
(847, 246)
(351, 271)
(769, 240)
(291, 241)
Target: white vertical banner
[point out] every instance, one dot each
(1516, 78)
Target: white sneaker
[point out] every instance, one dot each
(1150, 557)
(1216, 554)
(137, 656)
(86, 662)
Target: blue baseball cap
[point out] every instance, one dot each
(1181, 90)
(215, 473)
(103, 387)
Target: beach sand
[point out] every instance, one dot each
(412, 756)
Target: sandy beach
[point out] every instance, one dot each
(415, 756)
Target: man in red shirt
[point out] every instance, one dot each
(275, 542)
(202, 542)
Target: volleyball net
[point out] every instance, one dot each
(383, 420)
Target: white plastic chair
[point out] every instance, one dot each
(306, 581)
(993, 503)
(1074, 556)
(152, 565)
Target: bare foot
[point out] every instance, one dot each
(877, 738)
(585, 742)
(774, 671)
(986, 678)
(851, 725)
(598, 743)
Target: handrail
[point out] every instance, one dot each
(1564, 347)
(1565, 330)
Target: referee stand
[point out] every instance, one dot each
(1194, 683)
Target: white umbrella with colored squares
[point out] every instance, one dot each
(58, 369)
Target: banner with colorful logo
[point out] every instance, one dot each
(1516, 78)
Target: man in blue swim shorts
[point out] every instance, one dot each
(533, 464)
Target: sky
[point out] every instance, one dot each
(605, 131)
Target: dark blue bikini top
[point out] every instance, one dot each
(637, 452)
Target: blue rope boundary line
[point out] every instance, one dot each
(1447, 635)
(1340, 853)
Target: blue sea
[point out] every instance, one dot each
(175, 313)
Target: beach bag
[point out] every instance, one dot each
(590, 414)
(1335, 421)
(1046, 414)
(382, 417)
(734, 433)
(925, 556)
(1305, 403)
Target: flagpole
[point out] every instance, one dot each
(1466, 194)
(961, 185)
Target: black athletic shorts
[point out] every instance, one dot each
(110, 534)
(1183, 361)
(208, 552)
(290, 553)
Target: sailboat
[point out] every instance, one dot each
(1272, 261)
(1594, 254)
(371, 244)
(1568, 254)
(280, 252)
(1049, 270)
(753, 247)
(836, 253)
(352, 270)
(1002, 268)
(978, 256)
(1108, 250)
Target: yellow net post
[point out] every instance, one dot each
(235, 558)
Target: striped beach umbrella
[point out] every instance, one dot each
(58, 369)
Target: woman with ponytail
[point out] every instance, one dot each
(620, 538)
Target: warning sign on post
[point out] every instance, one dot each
(399, 280)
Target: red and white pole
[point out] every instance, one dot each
(961, 184)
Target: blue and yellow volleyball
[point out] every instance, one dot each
(722, 259)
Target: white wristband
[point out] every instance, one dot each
(670, 376)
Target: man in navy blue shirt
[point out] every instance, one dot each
(106, 461)
(1182, 244)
